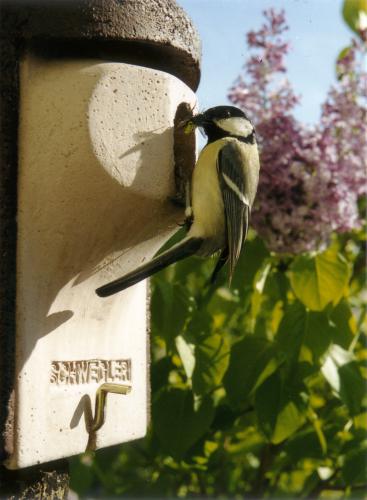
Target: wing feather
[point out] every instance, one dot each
(236, 205)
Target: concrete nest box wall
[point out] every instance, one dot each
(89, 98)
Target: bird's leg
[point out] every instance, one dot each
(189, 216)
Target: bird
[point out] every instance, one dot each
(222, 192)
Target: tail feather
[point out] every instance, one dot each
(223, 259)
(178, 252)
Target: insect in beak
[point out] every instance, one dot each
(189, 127)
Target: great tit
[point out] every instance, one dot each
(223, 189)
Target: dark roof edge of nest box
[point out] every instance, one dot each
(156, 34)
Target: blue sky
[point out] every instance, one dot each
(317, 34)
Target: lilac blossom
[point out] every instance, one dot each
(311, 178)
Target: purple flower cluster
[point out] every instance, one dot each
(311, 178)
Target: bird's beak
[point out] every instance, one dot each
(190, 125)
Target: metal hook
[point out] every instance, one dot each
(99, 412)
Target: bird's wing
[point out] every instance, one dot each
(236, 205)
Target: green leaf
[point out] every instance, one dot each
(291, 331)
(278, 285)
(343, 374)
(355, 14)
(81, 470)
(345, 324)
(317, 281)
(199, 326)
(187, 356)
(210, 447)
(223, 307)
(298, 328)
(225, 417)
(289, 420)
(171, 307)
(304, 443)
(261, 276)
(212, 359)
(304, 335)
(354, 467)
(193, 272)
(160, 371)
(251, 259)
(335, 357)
(339, 67)
(352, 387)
(252, 360)
(318, 334)
(277, 411)
(267, 403)
(178, 423)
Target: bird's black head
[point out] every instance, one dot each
(224, 121)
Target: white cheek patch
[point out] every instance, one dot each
(235, 126)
